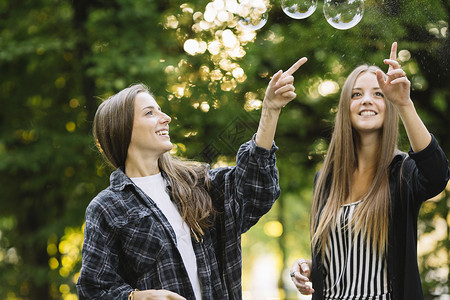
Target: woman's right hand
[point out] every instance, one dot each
(300, 274)
(156, 295)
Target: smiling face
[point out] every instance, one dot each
(367, 104)
(150, 134)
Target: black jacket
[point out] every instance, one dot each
(413, 179)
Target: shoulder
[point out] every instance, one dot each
(109, 205)
(100, 204)
(398, 161)
(116, 196)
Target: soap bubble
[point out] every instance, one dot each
(343, 14)
(252, 14)
(299, 9)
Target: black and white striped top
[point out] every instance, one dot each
(352, 270)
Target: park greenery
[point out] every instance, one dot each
(59, 58)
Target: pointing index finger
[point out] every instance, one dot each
(393, 55)
(295, 66)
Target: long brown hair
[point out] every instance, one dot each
(113, 124)
(333, 185)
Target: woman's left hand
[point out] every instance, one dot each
(281, 87)
(280, 92)
(397, 86)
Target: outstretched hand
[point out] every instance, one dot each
(281, 88)
(396, 87)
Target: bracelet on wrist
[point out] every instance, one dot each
(131, 294)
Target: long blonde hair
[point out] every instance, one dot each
(113, 124)
(334, 182)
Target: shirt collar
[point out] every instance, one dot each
(119, 180)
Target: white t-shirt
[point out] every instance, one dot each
(155, 187)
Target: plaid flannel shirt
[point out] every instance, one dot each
(129, 244)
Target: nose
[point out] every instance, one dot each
(165, 118)
(366, 100)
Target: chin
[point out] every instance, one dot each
(169, 147)
(369, 130)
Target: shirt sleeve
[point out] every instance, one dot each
(99, 275)
(426, 172)
(247, 191)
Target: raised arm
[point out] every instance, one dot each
(397, 90)
(279, 93)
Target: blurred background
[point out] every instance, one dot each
(208, 68)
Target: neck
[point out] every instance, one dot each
(367, 150)
(141, 167)
(367, 153)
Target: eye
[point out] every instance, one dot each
(149, 113)
(356, 94)
(379, 94)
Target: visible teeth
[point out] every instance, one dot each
(162, 132)
(367, 113)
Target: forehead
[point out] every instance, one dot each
(366, 80)
(143, 100)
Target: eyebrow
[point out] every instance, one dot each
(357, 88)
(152, 107)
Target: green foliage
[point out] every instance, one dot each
(58, 58)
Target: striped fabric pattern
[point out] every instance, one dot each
(352, 271)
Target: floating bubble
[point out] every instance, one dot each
(252, 14)
(299, 9)
(343, 14)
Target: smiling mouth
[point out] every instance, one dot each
(163, 132)
(367, 113)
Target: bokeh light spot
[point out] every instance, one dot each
(273, 229)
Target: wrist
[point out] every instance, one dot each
(270, 105)
(271, 109)
(407, 107)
